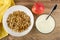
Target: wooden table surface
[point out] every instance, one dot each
(35, 34)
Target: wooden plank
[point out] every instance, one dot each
(35, 34)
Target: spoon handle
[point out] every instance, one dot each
(54, 7)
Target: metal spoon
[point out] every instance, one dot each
(54, 7)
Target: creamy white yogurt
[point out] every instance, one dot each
(43, 25)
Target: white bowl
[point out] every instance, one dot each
(15, 8)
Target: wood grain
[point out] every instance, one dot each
(35, 34)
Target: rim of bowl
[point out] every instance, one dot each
(16, 33)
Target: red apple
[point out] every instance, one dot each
(38, 8)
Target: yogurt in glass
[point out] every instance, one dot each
(43, 25)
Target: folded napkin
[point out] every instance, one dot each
(4, 5)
